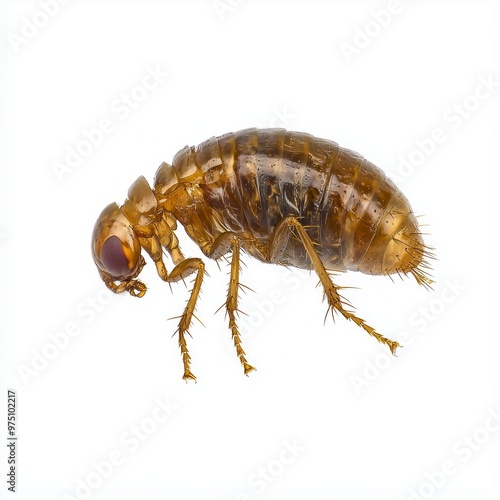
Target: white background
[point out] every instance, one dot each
(364, 425)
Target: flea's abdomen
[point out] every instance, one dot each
(357, 216)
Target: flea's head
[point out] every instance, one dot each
(117, 252)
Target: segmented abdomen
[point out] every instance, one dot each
(253, 178)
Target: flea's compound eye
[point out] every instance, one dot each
(115, 248)
(113, 257)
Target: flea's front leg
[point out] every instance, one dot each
(182, 270)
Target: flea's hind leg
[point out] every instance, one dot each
(224, 243)
(281, 234)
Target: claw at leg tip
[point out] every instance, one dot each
(393, 346)
(248, 368)
(188, 376)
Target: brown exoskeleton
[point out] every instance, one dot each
(283, 197)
